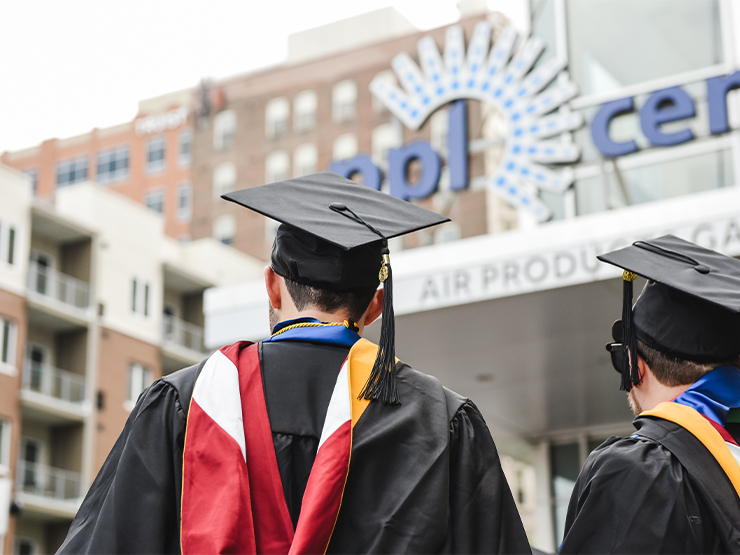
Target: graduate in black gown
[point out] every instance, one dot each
(673, 486)
(424, 475)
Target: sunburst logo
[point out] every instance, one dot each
(490, 74)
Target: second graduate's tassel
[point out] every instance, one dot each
(630, 368)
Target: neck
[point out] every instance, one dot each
(321, 317)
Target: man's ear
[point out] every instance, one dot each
(374, 308)
(643, 368)
(272, 284)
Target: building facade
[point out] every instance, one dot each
(96, 302)
(147, 159)
(628, 135)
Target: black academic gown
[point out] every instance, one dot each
(657, 491)
(424, 477)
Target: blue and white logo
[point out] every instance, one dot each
(489, 73)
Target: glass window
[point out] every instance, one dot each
(565, 465)
(344, 101)
(276, 117)
(113, 165)
(7, 341)
(345, 146)
(139, 378)
(184, 201)
(224, 178)
(10, 256)
(71, 171)
(637, 185)
(186, 146)
(33, 175)
(614, 43)
(224, 130)
(304, 109)
(154, 200)
(385, 137)
(155, 155)
(4, 442)
(304, 161)
(224, 229)
(277, 166)
(439, 125)
(140, 296)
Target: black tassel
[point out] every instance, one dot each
(381, 385)
(630, 368)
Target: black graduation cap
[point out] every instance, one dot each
(689, 308)
(334, 235)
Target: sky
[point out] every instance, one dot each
(67, 66)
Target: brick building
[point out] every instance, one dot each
(147, 159)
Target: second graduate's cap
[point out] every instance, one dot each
(689, 308)
(335, 236)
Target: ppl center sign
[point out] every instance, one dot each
(534, 157)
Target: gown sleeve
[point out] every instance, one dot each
(633, 496)
(133, 505)
(483, 515)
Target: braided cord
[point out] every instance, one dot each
(311, 325)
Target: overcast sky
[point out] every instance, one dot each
(70, 65)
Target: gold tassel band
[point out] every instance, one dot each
(629, 276)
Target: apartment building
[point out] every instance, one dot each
(316, 108)
(147, 159)
(96, 302)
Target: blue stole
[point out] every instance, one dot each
(715, 394)
(333, 335)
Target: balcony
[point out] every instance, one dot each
(46, 491)
(47, 481)
(58, 287)
(49, 394)
(182, 343)
(53, 382)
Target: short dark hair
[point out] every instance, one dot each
(354, 301)
(671, 371)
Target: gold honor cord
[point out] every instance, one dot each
(315, 325)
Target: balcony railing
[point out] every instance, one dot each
(53, 382)
(55, 483)
(183, 333)
(61, 287)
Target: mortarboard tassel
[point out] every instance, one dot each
(630, 368)
(381, 384)
(382, 381)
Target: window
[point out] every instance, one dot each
(345, 146)
(304, 160)
(276, 117)
(344, 100)
(184, 201)
(277, 166)
(25, 546)
(304, 110)
(71, 171)
(439, 125)
(113, 165)
(7, 342)
(665, 38)
(224, 229)
(4, 443)
(139, 296)
(224, 128)
(7, 243)
(385, 137)
(33, 175)
(155, 155)
(388, 77)
(154, 200)
(224, 178)
(185, 155)
(139, 378)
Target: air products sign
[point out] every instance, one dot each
(534, 157)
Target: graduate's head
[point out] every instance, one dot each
(331, 252)
(686, 322)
